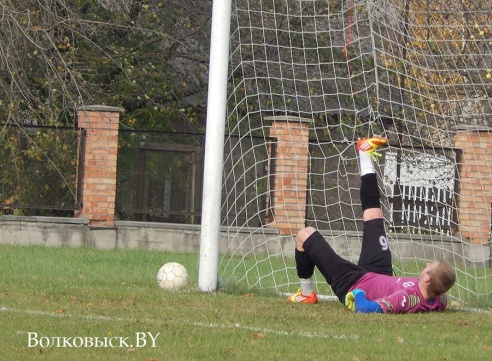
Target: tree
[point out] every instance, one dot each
(416, 66)
(148, 56)
(435, 64)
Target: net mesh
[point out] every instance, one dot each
(417, 72)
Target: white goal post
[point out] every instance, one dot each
(214, 145)
(294, 83)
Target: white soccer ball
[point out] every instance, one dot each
(172, 276)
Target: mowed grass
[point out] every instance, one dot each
(96, 294)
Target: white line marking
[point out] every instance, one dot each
(280, 333)
(194, 324)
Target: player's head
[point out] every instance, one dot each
(439, 276)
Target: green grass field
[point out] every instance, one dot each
(55, 297)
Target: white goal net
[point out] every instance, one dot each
(309, 77)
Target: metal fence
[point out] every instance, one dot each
(418, 189)
(159, 179)
(38, 167)
(421, 190)
(248, 181)
(333, 194)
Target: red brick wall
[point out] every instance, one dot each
(291, 166)
(99, 167)
(475, 185)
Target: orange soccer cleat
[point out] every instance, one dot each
(370, 145)
(298, 297)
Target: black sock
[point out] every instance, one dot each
(304, 264)
(369, 191)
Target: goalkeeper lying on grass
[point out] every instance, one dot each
(369, 286)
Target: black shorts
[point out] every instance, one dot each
(341, 274)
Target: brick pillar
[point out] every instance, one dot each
(99, 163)
(475, 182)
(290, 173)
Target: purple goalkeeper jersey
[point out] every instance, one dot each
(397, 294)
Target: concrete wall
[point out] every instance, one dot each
(77, 232)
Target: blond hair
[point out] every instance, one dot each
(442, 278)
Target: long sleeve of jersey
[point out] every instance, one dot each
(362, 304)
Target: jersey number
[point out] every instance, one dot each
(383, 241)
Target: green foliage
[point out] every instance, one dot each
(145, 56)
(38, 168)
